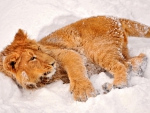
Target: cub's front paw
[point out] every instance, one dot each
(82, 89)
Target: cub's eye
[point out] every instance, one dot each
(12, 64)
(53, 64)
(33, 58)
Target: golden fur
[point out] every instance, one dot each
(96, 43)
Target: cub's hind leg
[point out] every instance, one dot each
(119, 69)
(107, 53)
(120, 72)
(137, 68)
(139, 64)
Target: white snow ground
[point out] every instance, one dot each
(41, 17)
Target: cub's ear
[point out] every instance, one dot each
(20, 36)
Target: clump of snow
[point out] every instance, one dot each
(39, 18)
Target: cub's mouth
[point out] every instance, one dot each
(44, 79)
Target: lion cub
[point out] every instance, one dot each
(80, 49)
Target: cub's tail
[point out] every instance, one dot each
(133, 28)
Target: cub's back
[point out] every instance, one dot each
(87, 29)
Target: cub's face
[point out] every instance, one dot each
(26, 63)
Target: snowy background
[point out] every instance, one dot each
(41, 17)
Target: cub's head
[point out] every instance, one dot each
(25, 62)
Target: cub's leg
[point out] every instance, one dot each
(73, 63)
(107, 52)
(138, 64)
(119, 69)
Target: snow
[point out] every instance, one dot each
(41, 17)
